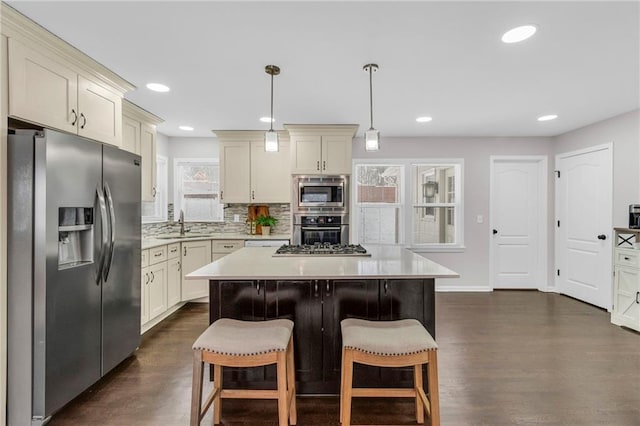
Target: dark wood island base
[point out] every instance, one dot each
(316, 307)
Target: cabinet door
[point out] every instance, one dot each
(336, 155)
(157, 289)
(42, 90)
(235, 172)
(306, 154)
(100, 112)
(626, 297)
(173, 282)
(144, 295)
(405, 299)
(195, 254)
(346, 299)
(300, 302)
(148, 154)
(130, 135)
(270, 174)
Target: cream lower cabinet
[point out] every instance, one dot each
(249, 174)
(139, 136)
(626, 284)
(174, 275)
(52, 93)
(321, 149)
(154, 292)
(195, 254)
(144, 287)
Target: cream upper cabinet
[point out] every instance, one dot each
(46, 90)
(139, 137)
(248, 174)
(321, 149)
(270, 174)
(235, 172)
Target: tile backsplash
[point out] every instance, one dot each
(281, 212)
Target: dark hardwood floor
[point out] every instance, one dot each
(505, 358)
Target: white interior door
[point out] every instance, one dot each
(518, 222)
(583, 237)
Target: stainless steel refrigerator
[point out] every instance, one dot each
(74, 268)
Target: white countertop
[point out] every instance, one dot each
(386, 262)
(151, 242)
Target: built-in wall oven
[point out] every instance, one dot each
(313, 228)
(311, 192)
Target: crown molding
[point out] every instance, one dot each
(248, 135)
(137, 113)
(13, 24)
(323, 129)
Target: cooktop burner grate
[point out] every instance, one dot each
(322, 249)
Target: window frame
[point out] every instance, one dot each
(406, 205)
(177, 199)
(162, 188)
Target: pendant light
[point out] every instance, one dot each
(371, 136)
(271, 137)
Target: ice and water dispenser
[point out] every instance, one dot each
(75, 236)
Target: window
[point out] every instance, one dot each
(197, 190)
(156, 211)
(379, 199)
(417, 203)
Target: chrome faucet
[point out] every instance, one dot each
(181, 222)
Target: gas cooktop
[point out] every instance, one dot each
(324, 249)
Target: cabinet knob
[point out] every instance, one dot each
(75, 117)
(602, 237)
(324, 165)
(253, 195)
(154, 192)
(84, 122)
(495, 231)
(179, 266)
(258, 287)
(152, 276)
(638, 297)
(318, 165)
(185, 251)
(221, 196)
(626, 258)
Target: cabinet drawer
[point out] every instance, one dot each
(226, 246)
(629, 258)
(144, 258)
(173, 251)
(157, 255)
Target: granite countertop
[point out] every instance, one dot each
(386, 262)
(152, 242)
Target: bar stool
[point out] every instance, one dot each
(401, 343)
(233, 343)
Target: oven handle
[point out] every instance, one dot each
(321, 228)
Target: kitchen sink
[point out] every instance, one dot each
(176, 235)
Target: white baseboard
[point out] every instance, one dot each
(157, 320)
(463, 288)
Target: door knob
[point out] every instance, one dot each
(602, 237)
(495, 231)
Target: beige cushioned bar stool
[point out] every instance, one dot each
(233, 343)
(401, 343)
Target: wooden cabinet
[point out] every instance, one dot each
(321, 150)
(626, 282)
(249, 174)
(317, 307)
(195, 254)
(47, 90)
(174, 276)
(139, 137)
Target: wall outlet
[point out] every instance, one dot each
(236, 218)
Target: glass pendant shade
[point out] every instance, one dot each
(271, 141)
(371, 140)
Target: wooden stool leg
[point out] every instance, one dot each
(432, 376)
(347, 357)
(417, 384)
(196, 388)
(217, 387)
(341, 384)
(291, 383)
(283, 409)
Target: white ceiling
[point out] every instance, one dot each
(442, 59)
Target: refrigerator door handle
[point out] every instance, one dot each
(105, 232)
(112, 231)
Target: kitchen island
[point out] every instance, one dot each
(316, 293)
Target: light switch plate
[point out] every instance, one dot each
(479, 218)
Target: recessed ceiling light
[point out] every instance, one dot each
(187, 128)
(519, 34)
(267, 119)
(547, 117)
(423, 119)
(157, 87)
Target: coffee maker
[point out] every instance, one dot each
(634, 216)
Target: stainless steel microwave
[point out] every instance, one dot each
(321, 192)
